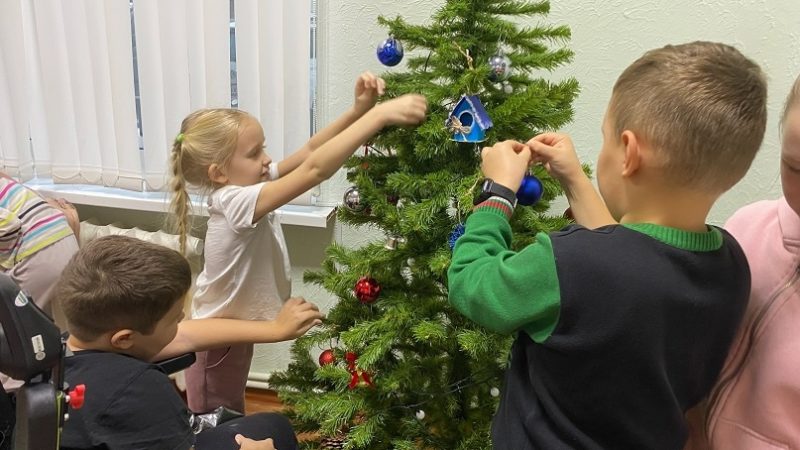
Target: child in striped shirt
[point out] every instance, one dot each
(37, 239)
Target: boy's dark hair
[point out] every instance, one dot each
(119, 282)
(702, 106)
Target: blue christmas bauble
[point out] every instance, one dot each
(390, 52)
(530, 190)
(457, 232)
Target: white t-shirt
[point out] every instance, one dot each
(246, 273)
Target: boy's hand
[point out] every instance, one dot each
(249, 444)
(506, 163)
(407, 109)
(297, 316)
(557, 153)
(368, 88)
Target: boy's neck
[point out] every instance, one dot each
(683, 209)
(98, 344)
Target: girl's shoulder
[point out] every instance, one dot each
(226, 196)
(236, 203)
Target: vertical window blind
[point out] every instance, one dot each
(93, 91)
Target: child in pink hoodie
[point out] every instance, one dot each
(756, 403)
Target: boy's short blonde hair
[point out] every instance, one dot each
(119, 282)
(702, 106)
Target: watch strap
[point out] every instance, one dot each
(490, 188)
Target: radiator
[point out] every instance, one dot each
(90, 230)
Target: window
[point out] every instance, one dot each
(94, 69)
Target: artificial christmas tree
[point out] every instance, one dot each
(403, 369)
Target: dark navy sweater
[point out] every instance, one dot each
(620, 330)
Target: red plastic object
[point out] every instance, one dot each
(76, 396)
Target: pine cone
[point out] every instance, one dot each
(332, 443)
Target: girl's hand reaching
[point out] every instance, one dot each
(368, 89)
(296, 317)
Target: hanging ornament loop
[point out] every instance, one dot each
(466, 55)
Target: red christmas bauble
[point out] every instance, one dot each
(350, 357)
(327, 357)
(367, 289)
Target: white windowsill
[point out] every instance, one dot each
(81, 194)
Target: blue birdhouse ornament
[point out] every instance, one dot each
(469, 120)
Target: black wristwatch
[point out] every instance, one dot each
(490, 189)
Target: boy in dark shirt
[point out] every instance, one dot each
(623, 322)
(123, 301)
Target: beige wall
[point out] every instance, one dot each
(607, 36)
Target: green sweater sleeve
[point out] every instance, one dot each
(501, 289)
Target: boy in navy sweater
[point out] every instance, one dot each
(623, 321)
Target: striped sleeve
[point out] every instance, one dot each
(31, 224)
(10, 231)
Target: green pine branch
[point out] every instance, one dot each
(432, 369)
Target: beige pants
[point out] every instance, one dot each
(36, 275)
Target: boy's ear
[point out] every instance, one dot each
(633, 153)
(217, 174)
(122, 339)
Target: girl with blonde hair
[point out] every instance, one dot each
(246, 274)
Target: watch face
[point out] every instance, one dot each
(484, 194)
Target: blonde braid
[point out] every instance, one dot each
(181, 203)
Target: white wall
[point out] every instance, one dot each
(607, 36)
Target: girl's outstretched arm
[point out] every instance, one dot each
(368, 89)
(321, 164)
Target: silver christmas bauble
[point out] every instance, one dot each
(352, 200)
(500, 67)
(420, 414)
(494, 392)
